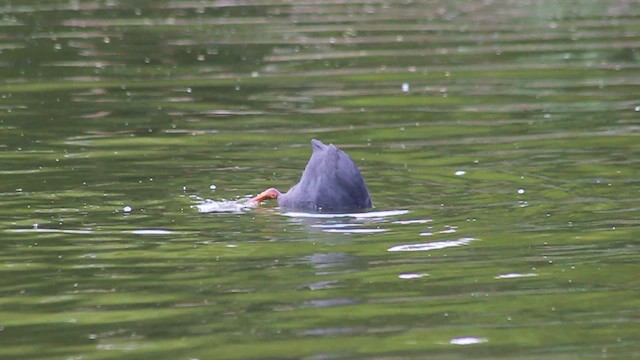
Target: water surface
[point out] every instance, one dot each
(499, 141)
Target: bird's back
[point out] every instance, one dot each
(331, 182)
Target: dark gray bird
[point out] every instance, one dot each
(331, 182)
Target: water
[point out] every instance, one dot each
(499, 141)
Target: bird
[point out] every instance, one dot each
(331, 182)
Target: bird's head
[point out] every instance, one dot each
(271, 193)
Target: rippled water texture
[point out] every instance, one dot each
(499, 140)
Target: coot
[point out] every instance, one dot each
(331, 182)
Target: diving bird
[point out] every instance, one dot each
(331, 182)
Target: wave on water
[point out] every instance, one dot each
(363, 215)
(244, 205)
(436, 245)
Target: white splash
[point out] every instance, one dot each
(225, 206)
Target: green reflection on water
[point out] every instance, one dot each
(508, 131)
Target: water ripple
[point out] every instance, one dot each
(437, 245)
(364, 215)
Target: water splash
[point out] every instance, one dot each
(224, 206)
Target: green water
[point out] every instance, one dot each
(500, 142)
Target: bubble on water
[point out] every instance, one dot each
(460, 172)
(127, 209)
(521, 191)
